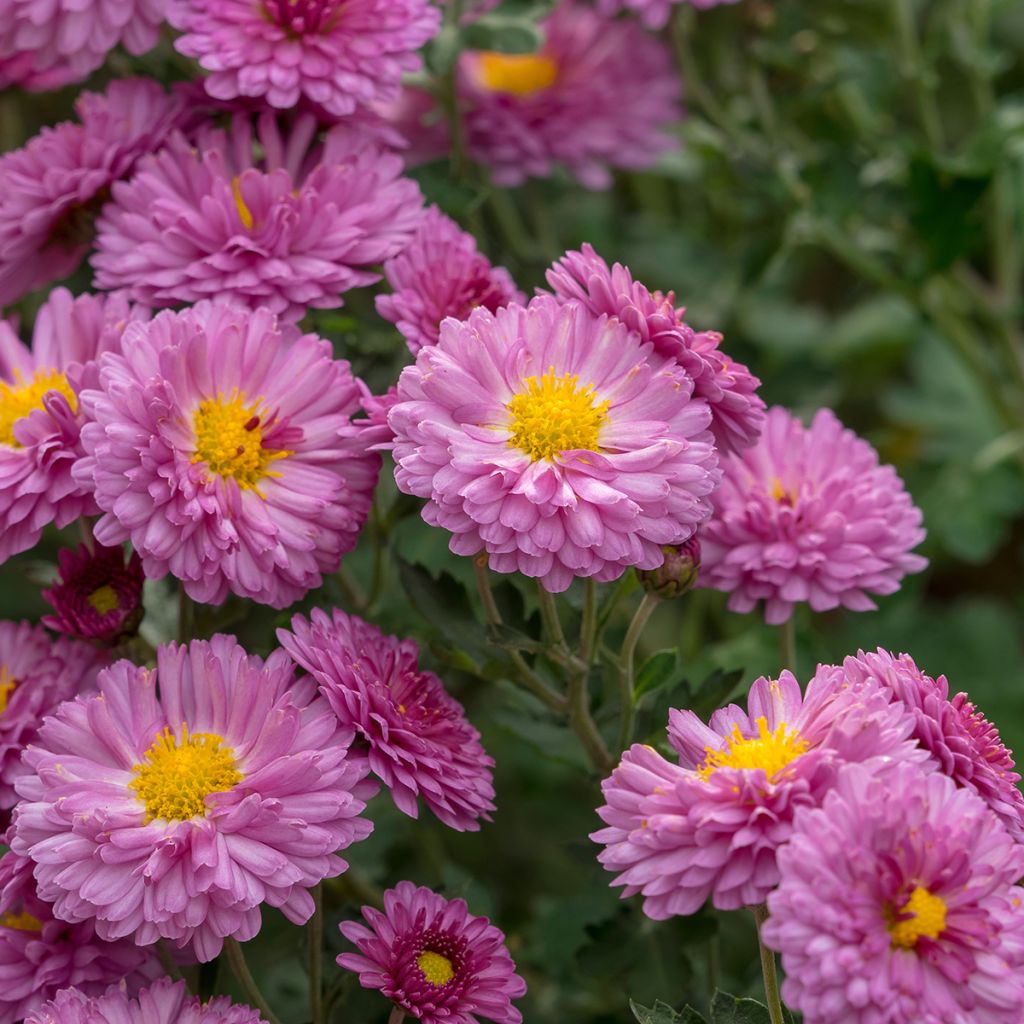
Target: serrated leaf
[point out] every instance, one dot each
(728, 1009)
(444, 603)
(510, 639)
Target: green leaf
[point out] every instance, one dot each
(502, 33)
(444, 603)
(662, 1013)
(659, 670)
(714, 691)
(727, 1009)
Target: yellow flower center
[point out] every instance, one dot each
(103, 599)
(176, 776)
(437, 969)
(519, 74)
(554, 414)
(244, 213)
(19, 399)
(229, 439)
(7, 685)
(771, 751)
(780, 494)
(21, 922)
(927, 918)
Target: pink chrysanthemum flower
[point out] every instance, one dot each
(555, 441)
(40, 414)
(40, 955)
(164, 1002)
(337, 53)
(710, 827)
(75, 36)
(258, 219)
(441, 274)
(601, 93)
(36, 674)
(654, 13)
(175, 813)
(418, 738)
(434, 960)
(730, 389)
(808, 514)
(963, 743)
(898, 904)
(51, 189)
(98, 596)
(225, 452)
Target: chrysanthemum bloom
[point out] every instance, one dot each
(75, 36)
(224, 451)
(898, 904)
(39, 954)
(711, 826)
(177, 812)
(419, 740)
(730, 389)
(441, 274)
(40, 414)
(808, 514)
(963, 743)
(272, 219)
(51, 189)
(164, 1002)
(600, 94)
(337, 53)
(434, 960)
(654, 13)
(554, 440)
(36, 674)
(98, 596)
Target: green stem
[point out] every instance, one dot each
(186, 616)
(916, 74)
(167, 960)
(588, 626)
(787, 644)
(626, 667)
(511, 223)
(315, 936)
(683, 21)
(549, 616)
(351, 590)
(250, 989)
(582, 722)
(771, 978)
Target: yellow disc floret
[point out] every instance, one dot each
(177, 776)
(437, 969)
(103, 599)
(21, 922)
(7, 685)
(554, 414)
(771, 751)
(22, 397)
(927, 918)
(229, 439)
(519, 74)
(244, 213)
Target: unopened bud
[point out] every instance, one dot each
(677, 574)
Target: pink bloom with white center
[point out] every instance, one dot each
(175, 813)
(265, 218)
(223, 449)
(555, 441)
(710, 827)
(338, 53)
(809, 514)
(441, 274)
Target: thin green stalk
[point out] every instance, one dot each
(626, 667)
(513, 230)
(250, 989)
(916, 74)
(167, 961)
(588, 625)
(768, 970)
(549, 616)
(315, 937)
(681, 29)
(582, 722)
(787, 644)
(186, 616)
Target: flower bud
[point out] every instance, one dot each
(677, 574)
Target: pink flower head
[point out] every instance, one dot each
(729, 388)
(962, 742)
(176, 812)
(441, 274)
(654, 13)
(40, 413)
(434, 960)
(225, 453)
(164, 1002)
(711, 826)
(39, 954)
(51, 188)
(808, 514)
(420, 742)
(337, 53)
(555, 441)
(73, 37)
(267, 219)
(898, 904)
(36, 674)
(97, 596)
(600, 93)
